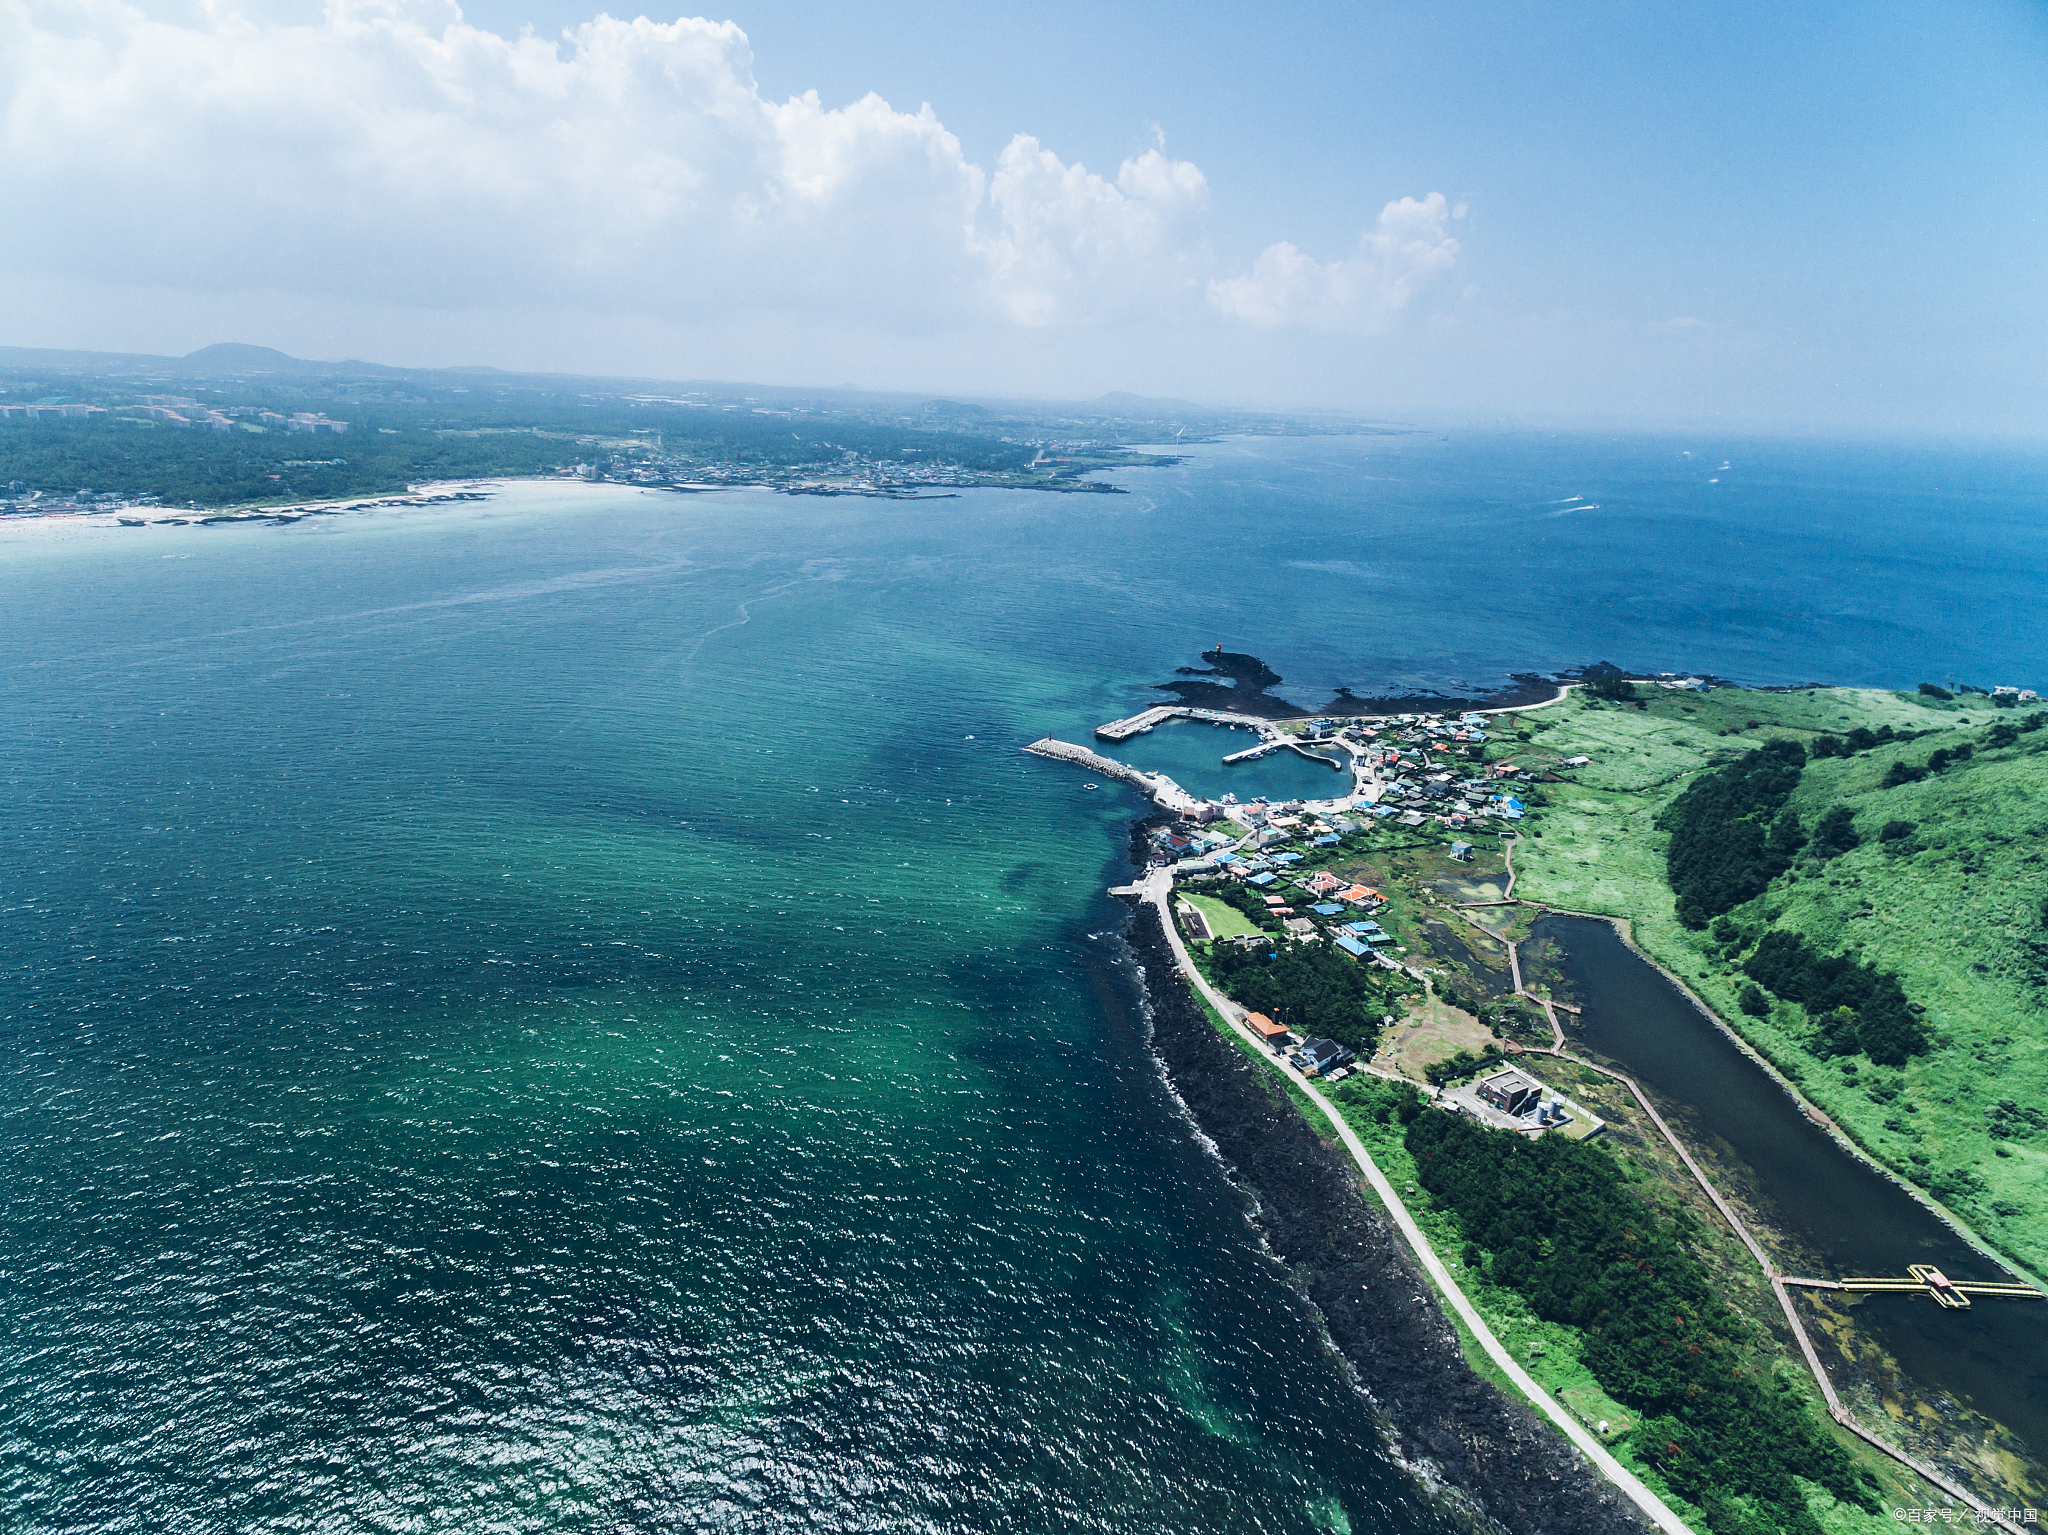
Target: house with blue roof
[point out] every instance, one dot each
(1351, 946)
(1328, 909)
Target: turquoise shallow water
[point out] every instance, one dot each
(573, 1013)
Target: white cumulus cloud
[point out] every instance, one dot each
(1407, 247)
(388, 152)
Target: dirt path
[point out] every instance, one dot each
(1836, 1410)
(1157, 888)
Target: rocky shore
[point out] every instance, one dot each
(1446, 1422)
(1249, 680)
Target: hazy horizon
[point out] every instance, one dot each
(1754, 221)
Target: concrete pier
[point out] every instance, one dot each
(1138, 724)
(1166, 794)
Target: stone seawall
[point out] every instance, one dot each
(1379, 1308)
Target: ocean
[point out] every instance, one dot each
(572, 1012)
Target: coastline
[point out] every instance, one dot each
(1624, 929)
(1380, 1310)
(430, 493)
(1927, 1461)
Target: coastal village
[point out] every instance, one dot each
(1287, 917)
(1256, 875)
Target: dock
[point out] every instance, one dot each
(1926, 1279)
(1138, 724)
(1285, 743)
(1166, 794)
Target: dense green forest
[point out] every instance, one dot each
(1731, 834)
(1554, 1221)
(1858, 1007)
(1314, 990)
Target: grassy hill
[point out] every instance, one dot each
(1944, 888)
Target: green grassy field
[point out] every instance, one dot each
(1225, 920)
(1554, 1353)
(1955, 908)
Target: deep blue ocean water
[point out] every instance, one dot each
(573, 1013)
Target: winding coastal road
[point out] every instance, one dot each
(1157, 889)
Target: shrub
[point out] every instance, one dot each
(1836, 832)
(1896, 831)
(1931, 691)
(1753, 1001)
(1903, 773)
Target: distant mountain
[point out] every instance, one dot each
(957, 410)
(240, 359)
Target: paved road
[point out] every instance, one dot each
(1157, 888)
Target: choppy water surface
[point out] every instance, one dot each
(573, 1013)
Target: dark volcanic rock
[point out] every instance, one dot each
(1378, 1306)
(1247, 691)
(1530, 688)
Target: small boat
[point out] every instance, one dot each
(1091, 785)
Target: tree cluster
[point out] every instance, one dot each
(1835, 832)
(1859, 1007)
(1585, 1250)
(1861, 739)
(1603, 679)
(1462, 1065)
(1731, 832)
(1310, 987)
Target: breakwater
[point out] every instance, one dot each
(1166, 794)
(1352, 1265)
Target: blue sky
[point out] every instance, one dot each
(1817, 216)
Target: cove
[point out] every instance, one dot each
(1192, 754)
(1992, 1356)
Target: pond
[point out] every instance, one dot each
(1994, 1356)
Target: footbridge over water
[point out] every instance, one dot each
(1926, 1279)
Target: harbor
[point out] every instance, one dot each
(1409, 769)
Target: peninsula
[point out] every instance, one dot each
(1396, 962)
